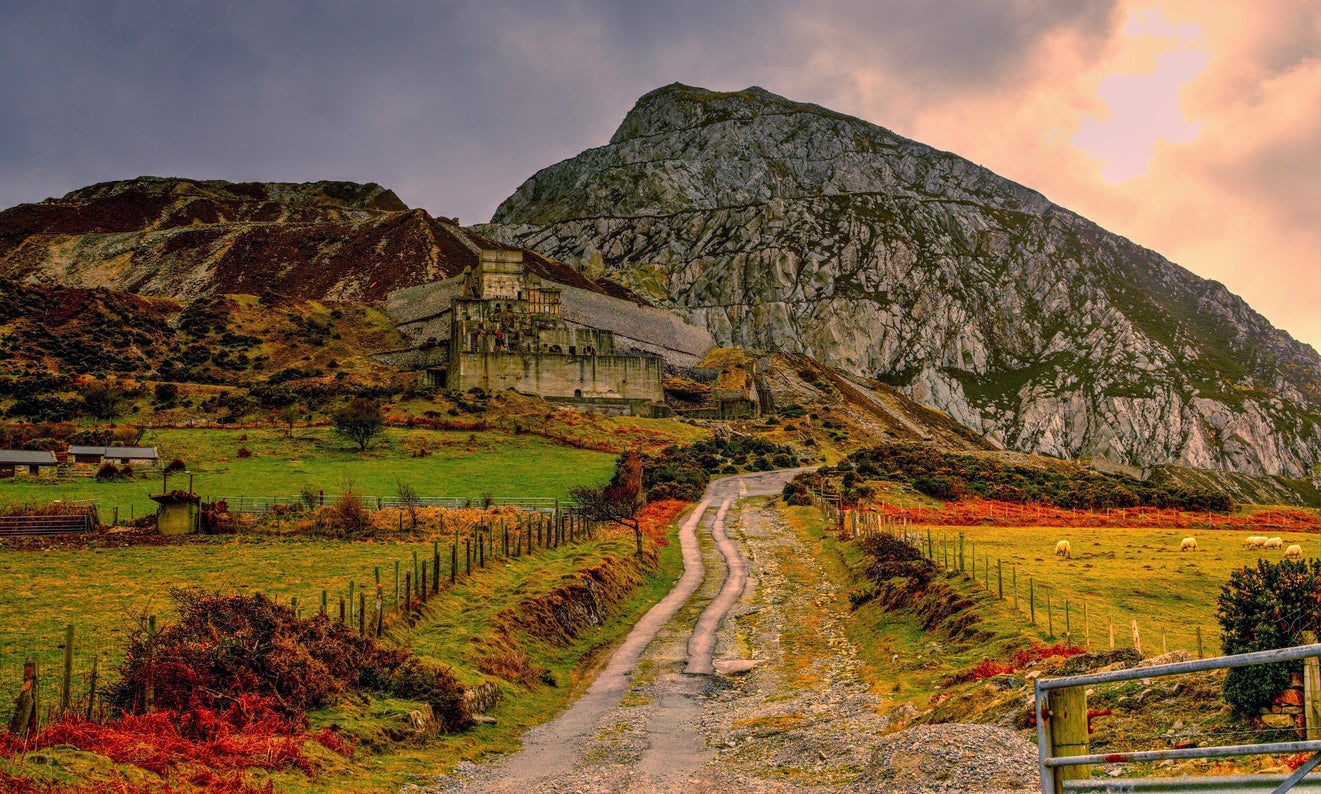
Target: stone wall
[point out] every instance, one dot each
(551, 375)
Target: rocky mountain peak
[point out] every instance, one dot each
(678, 106)
(789, 227)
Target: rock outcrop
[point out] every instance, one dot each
(786, 226)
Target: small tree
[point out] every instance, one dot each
(1261, 609)
(359, 421)
(288, 416)
(103, 399)
(618, 501)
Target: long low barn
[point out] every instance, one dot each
(12, 459)
(142, 455)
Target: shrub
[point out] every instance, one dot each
(347, 518)
(1259, 609)
(226, 647)
(126, 471)
(243, 452)
(175, 466)
(108, 471)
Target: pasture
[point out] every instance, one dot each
(1121, 574)
(433, 462)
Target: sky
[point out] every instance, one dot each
(1190, 127)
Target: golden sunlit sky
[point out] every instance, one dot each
(1193, 128)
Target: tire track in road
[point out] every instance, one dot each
(554, 754)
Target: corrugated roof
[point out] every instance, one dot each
(114, 452)
(23, 457)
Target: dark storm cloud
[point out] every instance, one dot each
(451, 104)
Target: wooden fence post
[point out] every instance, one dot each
(435, 567)
(1311, 691)
(380, 608)
(1050, 617)
(454, 563)
(66, 683)
(1137, 644)
(1032, 599)
(1068, 732)
(1199, 643)
(24, 721)
(362, 614)
(408, 593)
(1112, 635)
(91, 686)
(1000, 577)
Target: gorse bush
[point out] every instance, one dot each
(1260, 609)
(224, 647)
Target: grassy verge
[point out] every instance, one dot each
(454, 632)
(901, 660)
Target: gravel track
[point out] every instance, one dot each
(783, 709)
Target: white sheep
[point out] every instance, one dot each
(1295, 551)
(1273, 543)
(1188, 544)
(1062, 549)
(1254, 541)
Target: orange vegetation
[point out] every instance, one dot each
(985, 512)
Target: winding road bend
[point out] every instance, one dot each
(742, 679)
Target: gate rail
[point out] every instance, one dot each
(61, 524)
(1073, 706)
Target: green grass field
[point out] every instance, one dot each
(1121, 575)
(433, 462)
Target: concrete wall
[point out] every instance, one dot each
(643, 327)
(551, 375)
(422, 313)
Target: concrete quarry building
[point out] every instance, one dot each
(497, 326)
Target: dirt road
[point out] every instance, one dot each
(743, 680)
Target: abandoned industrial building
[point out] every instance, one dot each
(498, 326)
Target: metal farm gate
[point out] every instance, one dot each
(24, 526)
(1062, 744)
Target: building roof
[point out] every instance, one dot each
(136, 453)
(23, 457)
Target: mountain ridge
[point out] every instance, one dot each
(811, 231)
(184, 238)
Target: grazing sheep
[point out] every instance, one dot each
(1188, 544)
(1062, 549)
(1273, 543)
(1254, 542)
(1295, 551)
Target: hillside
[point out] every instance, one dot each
(184, 238)
(786, 226)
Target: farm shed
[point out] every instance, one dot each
(95, 455)
(11, 460)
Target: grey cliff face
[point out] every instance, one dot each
(785, 226)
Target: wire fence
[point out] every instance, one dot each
(311, 501)
(74, 665)
(1060, 615)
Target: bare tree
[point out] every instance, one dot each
(618, 501)
(408, 499)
